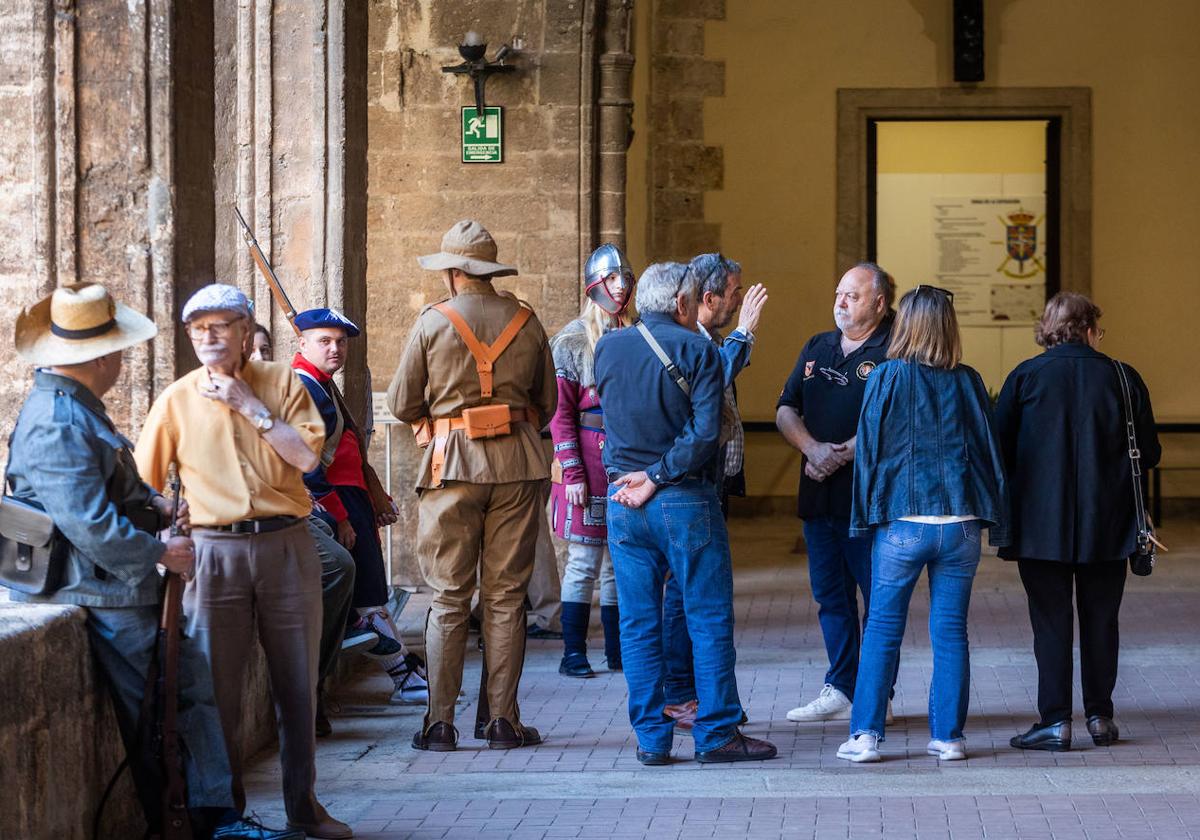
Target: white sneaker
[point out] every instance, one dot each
(831, 704)
(412, 688)
(948, 750)
(860, 748)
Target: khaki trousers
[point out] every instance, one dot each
(465, 529)
(270, 581)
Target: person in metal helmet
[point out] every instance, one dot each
(580, 485)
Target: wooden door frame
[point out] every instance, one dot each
(1070, 107)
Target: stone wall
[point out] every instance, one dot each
(542, 203)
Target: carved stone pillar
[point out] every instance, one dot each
(614, 124)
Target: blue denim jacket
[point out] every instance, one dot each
(927, 446)
(66, 457)
(649, 423)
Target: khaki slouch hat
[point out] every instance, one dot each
(76, 324)
(468, 247)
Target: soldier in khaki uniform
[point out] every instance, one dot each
(476, 381)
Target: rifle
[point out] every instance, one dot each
(268, 273)
(175, 822)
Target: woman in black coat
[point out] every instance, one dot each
(1061, 422)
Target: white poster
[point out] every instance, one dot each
(990, 251)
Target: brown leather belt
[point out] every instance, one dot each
(443, 426)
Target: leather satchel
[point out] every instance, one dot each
(1141, 562)
(32, 552)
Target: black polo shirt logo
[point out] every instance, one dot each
(808, 369)
(864, 370)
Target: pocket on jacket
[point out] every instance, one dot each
(687, 525)
(901, 534)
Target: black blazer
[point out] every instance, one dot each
(1062, 429)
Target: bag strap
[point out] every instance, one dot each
(331, 442)
(672, 371)
(1135, 454)
(485, 354)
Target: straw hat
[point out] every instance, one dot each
(468, 247)
(76, 324)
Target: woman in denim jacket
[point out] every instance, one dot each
(928, 478)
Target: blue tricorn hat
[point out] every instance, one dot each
(316, 319)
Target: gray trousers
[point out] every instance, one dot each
(337, 591)
(271, 582)
(123, 640)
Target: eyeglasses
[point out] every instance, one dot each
(219, 329)
(949, 294)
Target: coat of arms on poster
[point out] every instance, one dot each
(991, 252)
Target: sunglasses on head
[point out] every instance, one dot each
(949, 294)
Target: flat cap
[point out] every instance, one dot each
(217, 297)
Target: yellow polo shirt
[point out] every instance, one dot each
(228, 471)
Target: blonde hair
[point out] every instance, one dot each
(596, 321)
(926, 329)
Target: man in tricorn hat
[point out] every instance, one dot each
(477, 382)
(68, 458)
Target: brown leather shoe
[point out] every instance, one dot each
(684, 714)
(327, 829)
(502, 735)
(441, 737)
(741, 748)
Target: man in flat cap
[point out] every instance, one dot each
(476, 380)
(348, 489)
(243, 434)
(68, 458)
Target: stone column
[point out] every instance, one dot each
(615, 106)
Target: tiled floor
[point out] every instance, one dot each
(585, 782)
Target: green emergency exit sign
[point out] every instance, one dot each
(482, 137)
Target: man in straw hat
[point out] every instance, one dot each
(243, 434)
(477, 382)
(67, 457)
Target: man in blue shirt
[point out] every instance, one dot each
(662, 387)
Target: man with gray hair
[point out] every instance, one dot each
(662, 387)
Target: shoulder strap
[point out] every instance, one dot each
(1135, 454)
(485, 355)
(331, 442)
(672, 370)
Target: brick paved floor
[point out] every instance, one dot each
(585, 782)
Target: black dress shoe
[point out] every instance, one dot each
(614, 664)
(576, 665)
(1052, 737)
(741, 748)
(653, 759)
(539, 633)
(1103, 730)
(502, 735)
(441, 737)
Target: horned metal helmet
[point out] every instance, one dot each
(607, 271)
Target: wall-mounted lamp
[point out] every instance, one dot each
(474, 64)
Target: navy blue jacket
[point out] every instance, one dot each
(927, 446)
(650, 423)
(1061, 421)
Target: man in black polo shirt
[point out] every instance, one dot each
(818, 415)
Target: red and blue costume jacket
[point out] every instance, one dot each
(346, 468)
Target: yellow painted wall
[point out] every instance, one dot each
(784, 61)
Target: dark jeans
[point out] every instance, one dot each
(1098, 588)
(337, 588)
(839, 566)
(679, 530)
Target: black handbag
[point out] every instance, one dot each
(1141, 562)
(33, 554)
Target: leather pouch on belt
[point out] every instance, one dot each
(487, 421)
(423, 430)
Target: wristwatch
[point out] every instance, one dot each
(263, 421)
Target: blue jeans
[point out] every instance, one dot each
(679, 684)
(838, 567)
(901, 550)
(680, 530)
